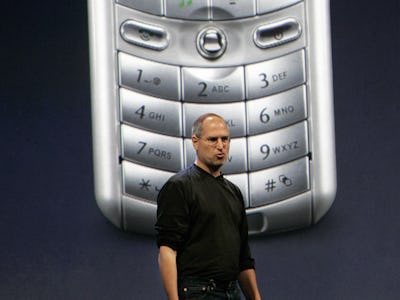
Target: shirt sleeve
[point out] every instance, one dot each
(246, 261)
(172, 216)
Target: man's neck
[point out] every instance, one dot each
(214, 172)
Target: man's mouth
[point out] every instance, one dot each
(220, 155)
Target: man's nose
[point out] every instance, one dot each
(220, 143)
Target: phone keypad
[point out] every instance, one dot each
(263, 101)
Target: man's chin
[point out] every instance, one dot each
(216, 166)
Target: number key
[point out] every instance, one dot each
(152, 150)
(149, 77)
(274, 76)
(209, 85)
(158, 115)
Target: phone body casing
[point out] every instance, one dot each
(265, 66)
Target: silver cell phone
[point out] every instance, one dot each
(263, 65)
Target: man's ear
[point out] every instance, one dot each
(195, 142)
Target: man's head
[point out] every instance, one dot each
(211, 140)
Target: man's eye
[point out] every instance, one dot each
(213, 139)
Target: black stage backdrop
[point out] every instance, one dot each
(55, 244)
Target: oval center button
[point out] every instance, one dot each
(144, 35)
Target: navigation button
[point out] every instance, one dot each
(211, 43)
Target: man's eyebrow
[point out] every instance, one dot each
(216, 137)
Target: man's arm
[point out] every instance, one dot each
(167, 265)
(248, 283)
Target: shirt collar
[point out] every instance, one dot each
(204, 172)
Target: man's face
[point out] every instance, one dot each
(213, 146)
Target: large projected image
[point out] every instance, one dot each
(264, 67)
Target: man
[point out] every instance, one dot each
(202, 225)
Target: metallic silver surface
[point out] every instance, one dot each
(139, 216)
(151, 149)
(265, 6)
(224, 10)
(151, 6)
(207, 85)
(182, 48)
(279, 183)
(144, 35)
(321, 119)
(187, 9)
(233, 113)
(150, 113)
(278, 147)
(277, 33)
(149, 77)
(276, 75)
(284, 100)
(105, 133)
(293, 213)
(276, 111)
(211, 43)
(143, 182)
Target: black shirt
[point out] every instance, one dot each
(203, 218)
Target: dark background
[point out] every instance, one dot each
(54, 242)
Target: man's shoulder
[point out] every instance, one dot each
(230, 183)
(234, 187)
(182, 177)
